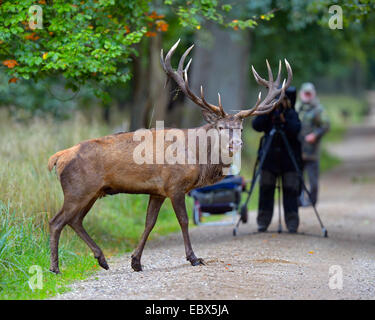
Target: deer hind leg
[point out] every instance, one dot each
(70, 214)
(153, 209)
(77, 226)
(178, 203)
(56, 224)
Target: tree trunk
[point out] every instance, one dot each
(158, 97)
(106, 113)
(220, 64)
(138, 106)
(358, 79)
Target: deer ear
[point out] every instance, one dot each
(210, 116)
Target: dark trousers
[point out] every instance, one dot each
(312, 169)
(290, 191)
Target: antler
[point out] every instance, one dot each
(181, 78)
(274, 95)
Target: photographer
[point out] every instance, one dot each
(315, 124)
(278, 164)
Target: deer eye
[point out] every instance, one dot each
(220, 127)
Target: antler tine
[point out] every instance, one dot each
(181, 78)
(218, 110)
(258, 78)
(256, 107)
(209, 105)
(270, 95)
(270, 74)
(166, 64)
(278, 75)
(269, 108)
(167, 61)
(219, 100)
(177, 75)
(259, 98)
(189, 92)
(290, 73)
(163, 66)
(188, 65)
(246, 113)
(286, 84)
(182, 60)
(200, 102)
(270, 105)
(273, 90)
(202, 97)
(220, 105)
(162, 60)
(274, 95)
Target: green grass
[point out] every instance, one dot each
(355, 109)
(335, 105)
(22, 245)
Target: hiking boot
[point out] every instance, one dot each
(262, 229)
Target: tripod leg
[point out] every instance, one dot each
(260, 162)
(236, 227)
(278, 186)
(324, 230)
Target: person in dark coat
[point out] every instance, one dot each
(278, 164)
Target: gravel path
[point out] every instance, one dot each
(269, 265)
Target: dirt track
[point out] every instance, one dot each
(269, 265)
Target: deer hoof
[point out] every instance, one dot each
(136, 265)
(197, 262)
(55, 270)
(103, 263)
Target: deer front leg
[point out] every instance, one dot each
(178, 203)
(153, 209)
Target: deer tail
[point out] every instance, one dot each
(53, 159)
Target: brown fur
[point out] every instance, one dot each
(105, 166)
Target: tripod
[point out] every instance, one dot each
(257, 169)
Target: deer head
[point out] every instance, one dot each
(215, 114)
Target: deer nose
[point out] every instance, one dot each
(237, 142)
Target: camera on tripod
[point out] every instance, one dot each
(278, 117)
(278, 114)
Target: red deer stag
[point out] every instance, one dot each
(106, 166)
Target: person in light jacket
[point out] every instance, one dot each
(315, 124)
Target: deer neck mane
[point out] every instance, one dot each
(210, 172)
